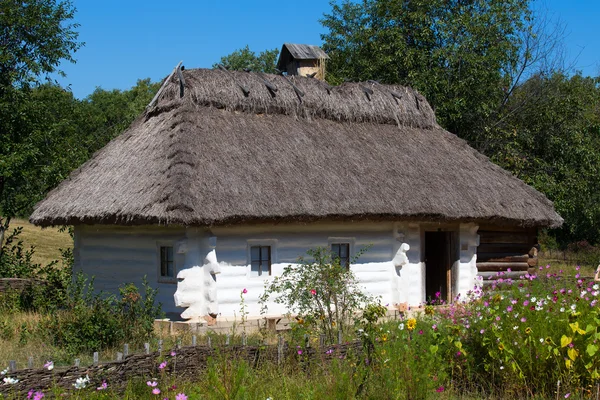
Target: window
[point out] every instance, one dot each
(341, 251)
(167, 263)
(260, 260)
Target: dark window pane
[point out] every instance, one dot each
(254, 253)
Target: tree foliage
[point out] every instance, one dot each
(550, 138)
(240, 59)
(459, 54)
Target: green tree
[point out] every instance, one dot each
(35, 37)
(464, 56)
(265, 61)
(550, 138)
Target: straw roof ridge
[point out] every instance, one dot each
(349, 102)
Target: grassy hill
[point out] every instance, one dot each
(46, 241)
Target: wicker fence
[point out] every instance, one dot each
(186, 362)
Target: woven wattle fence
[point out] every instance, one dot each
(188, 363)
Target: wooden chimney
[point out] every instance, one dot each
(303, 60)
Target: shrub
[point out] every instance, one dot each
(95, 321)
(324, 295)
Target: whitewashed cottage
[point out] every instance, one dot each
(240, 173)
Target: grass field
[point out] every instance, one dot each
(46, 241)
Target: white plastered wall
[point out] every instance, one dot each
(467, 280)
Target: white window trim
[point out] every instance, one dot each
(260, 242)
(341, 240)
(166, 279)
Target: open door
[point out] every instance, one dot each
(439, 256)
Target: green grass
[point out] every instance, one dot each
(46, 241)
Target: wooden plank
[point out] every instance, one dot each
(509, 248)
(501, 257)
(497, 267)
(505, 237)
(163, 86)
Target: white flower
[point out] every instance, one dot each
(562, 309)
(49, 365)
(401, 326)
(573, 307)
(583, 294)
(502, 367)
(595, 293)
(541, 340)
(533, 299)
(515, 327)
(80, 383)
(596, 287)
(3, 372)
(10, 381)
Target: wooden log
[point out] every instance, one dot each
(501, 266)
(501, 257)
(509, 248)
(504, 237)
(492, 276)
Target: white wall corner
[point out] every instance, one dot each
(467, 272)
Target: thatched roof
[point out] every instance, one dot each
(356, 151)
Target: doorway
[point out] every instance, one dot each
(439, 257)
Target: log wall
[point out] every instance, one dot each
(506, 248)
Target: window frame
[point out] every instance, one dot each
(159, 277)
(343, 240)
(272, 244)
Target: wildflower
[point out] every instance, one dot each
(244, 291)
(458, 353)
(313, 292)
(173, 387)
(401, 326)
(103, 386)
(173, 354)
(523, 319)
(49, 365)
(4, 371)
(440, 389)
(583, 294)
(420, 331)
(10, 381)
(81, 382)
(299, 352)
(541, 340)
(38, 395)
(181, 396)
(162, 365)
(567, 395)
(533, 299)
(515, 327)
(30, 394)
(500, 347)
(509, 308)
(573, 307)
(528, 330)
(482, 331)
(434, 327)
(411, 324)
(593, 303)
(596, 287)
(156, 391)
(329, 351)
(152, 383)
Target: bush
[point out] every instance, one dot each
(94, 321)
(324, 295)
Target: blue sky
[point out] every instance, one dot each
(126, 40)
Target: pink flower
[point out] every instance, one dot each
(181, 396)
(440, 389)
(38, 396)
(523, 319)
(313, 292)
(30, 393)
(103, 386)
(299, 352)
(173, 354)
(244, 291)
(152, 383)
(567, 395)
(421, 332)
(162, 366)
(156, 391)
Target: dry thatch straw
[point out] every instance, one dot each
(216, 156)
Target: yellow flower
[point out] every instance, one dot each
(500, 346)
(528, 330)
(411, 324)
